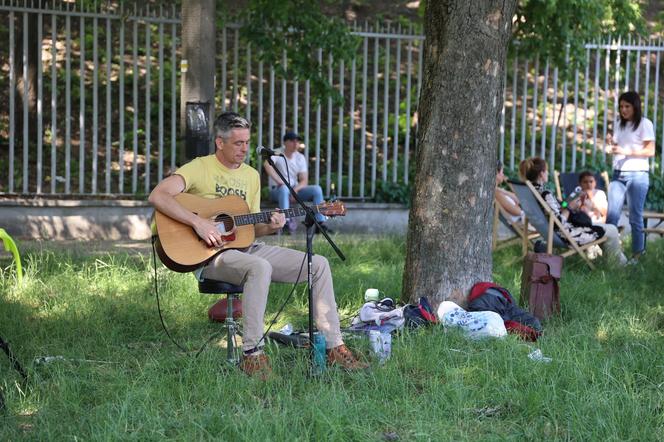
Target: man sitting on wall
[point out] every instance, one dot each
(293, 166)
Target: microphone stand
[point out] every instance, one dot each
(311, 223)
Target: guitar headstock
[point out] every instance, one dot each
(332, 208)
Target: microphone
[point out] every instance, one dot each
(266, 151)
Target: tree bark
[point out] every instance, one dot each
(449, 232)
(198, 43)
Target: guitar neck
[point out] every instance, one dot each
(264, 217)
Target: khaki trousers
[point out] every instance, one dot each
(260, 265)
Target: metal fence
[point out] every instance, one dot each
(99, 136)
(565, 120)
(106, 104)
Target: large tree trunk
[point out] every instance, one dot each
(449, 232)
(197, 85)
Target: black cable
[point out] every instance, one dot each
(156, 291)
(161, 318)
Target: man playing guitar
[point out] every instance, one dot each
(225, 173)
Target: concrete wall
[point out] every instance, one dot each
(83, 219)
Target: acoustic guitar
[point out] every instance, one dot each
(182, 250)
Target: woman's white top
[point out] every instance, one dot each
(632, 139)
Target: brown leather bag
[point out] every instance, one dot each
(539, 284)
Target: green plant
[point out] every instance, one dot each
(391, 192)
(655, 199)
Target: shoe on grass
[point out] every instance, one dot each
(256, 366)
(324, 226)
(342, 356)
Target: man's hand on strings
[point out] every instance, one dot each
(208, 232)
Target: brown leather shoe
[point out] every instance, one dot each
(256, 366)
(342, 356)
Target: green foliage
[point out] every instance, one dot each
(656, 193)
(547, 27)
(391, 192)
(300, 29)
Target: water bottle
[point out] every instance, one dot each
(333, 193)
(319, 355)
(570, 198)
(381, 345)
(386, 337)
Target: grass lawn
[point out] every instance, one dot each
(123, 379)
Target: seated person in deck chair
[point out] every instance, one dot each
(536, 171)
(507, 200)
(591, 200)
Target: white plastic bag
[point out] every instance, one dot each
(475, 325)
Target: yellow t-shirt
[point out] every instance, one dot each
(208, 178)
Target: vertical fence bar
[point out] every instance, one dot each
(271, 115)
(617, 82)
(596, 110)
(574, 123)
(319, 57)
(533, 131)
(148, 98)
(135, 75)
(607, 74)
(628, 61)
(340, 146)
(26, 132)
(363, 123)
(397, 100)
(501, 131)
(351, 128)
(248, 107)
(95, 101)
(328, 159)
(121, 103)
(40, 99)
(307, 109)
(374, 116)
(12, 103)
(563, 132)
(647, 87)
(248, 81)
(236, 67)
(524, 106)
(554, 120)
(81, 108)
(585, 109)
(174, 76)
(284, 94)
(545, 102)
(406, 155)
(54, 98)
(514, 98)
(294, 122)
(386, 102)
(637, 67)
(224, 61)
(656, 99)
(160, 111)
(109, 59)
(260, 111)
(68, 75)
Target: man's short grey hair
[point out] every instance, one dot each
(228, 121)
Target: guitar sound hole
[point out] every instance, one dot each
(226, 223)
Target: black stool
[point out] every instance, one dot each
(232, 292)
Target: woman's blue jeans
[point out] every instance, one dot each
(634, 187)
(281, 195)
